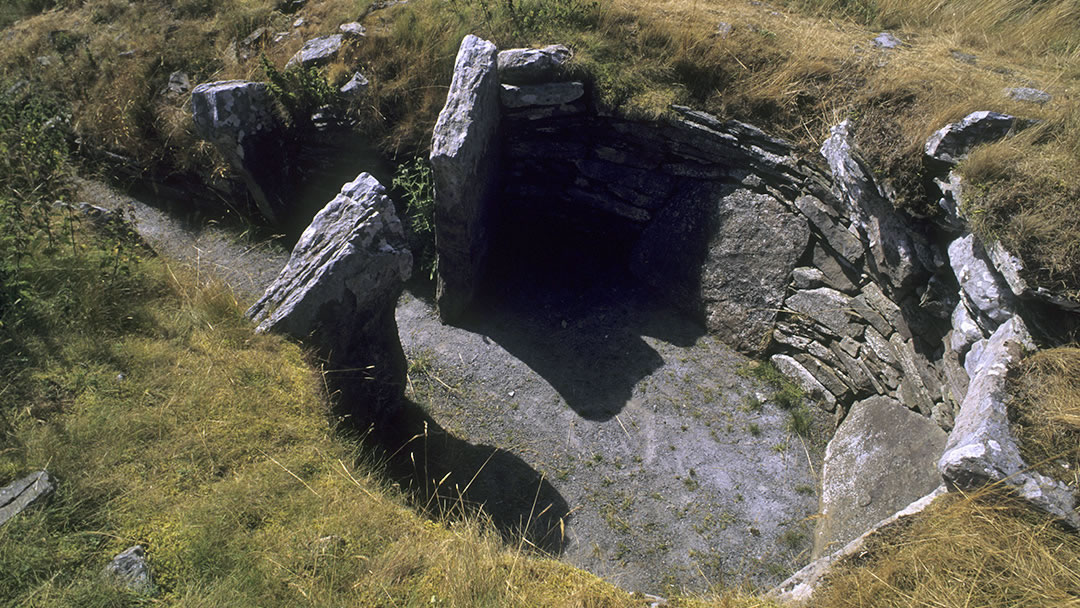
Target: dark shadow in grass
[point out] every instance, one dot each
(566, 305)
(449, 477)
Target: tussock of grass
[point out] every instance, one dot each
(168, 423)
(1046, 412)
(978, 550)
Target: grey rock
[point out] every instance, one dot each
(254, 38)
(826, 375)
(805, 380)
(739, 249)
(886, 40)
(352, 30)
(464, 155)
(178, 85)
(974, 359)
(980, 285)
(956, 377)
(130, 569)
(826, 221)
(921, 385)
(237, 116)
(548, 94)
(1028, 94)
(317, 51)
(338, 293)
(882, 457)
(356, 86)
(299, 22)
(805, 277)
(724, 30)
(1009, 267)
(981, 447)
(953, 142)
(893, 251)
(860, 307)
(881, 347)
(832, 267)
(880, 303)
(965, 331)
(962, 57)
(828, 307)
(532, 66)
(20, 494)
(856, 371)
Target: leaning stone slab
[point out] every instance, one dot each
(237, 116)
(981, 447)
(338, 292)
(827, 223)
(532, 66)
(317, 51)
(801, 586)
(953, 142)
(549, 94)
(881, 458)
(17, 496)
(130, 569)
(980, 285)
(464, 154)
(891, 245)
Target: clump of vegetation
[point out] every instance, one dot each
(786, 394)
(985, 549)
(414, 188)
(1045, 412)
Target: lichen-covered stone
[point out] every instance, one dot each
(532, 66)
(317, 51)
(953, 142)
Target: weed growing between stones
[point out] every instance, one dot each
(413, 187)
(786, 394)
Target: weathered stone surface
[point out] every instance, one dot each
(981, 286)
(826, 375)
(338, 292)
(881, 458)
(464, 155)
(981, 447)
(805, 380)
(356, 86)
(861, 308)
(830, 265)
(734, 263)
(179, 84)
(547, 94)
(532, 66)
(953, 142)
(805, 277)
(880, 303)
(965, 331)
(826, 221)
(919, 388)
(828, 307)
(352, 30)
(130, 569)
(18, 495)
(892, 247)
(1028, 94)
(237, 117)
(800, 587)
(886, 40)
(317, 51)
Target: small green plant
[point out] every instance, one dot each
(413, 187)
(300, 91)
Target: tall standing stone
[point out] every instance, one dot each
(464, 155)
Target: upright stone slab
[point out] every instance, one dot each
(881, 458)
(237, 117)
(338, 292)
(464, 156)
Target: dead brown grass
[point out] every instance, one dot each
(978, 550)
(1046, 412)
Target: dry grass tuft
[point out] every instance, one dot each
(979, 550)
(1046, 412)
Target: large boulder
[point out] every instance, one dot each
(464, 155)
(728, 255)
(237, 116)
(982, 448)
(881, 458)
(339, 290)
